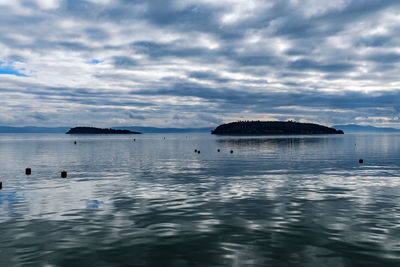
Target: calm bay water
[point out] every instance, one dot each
(276, 201)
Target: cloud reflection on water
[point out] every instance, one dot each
(269, 202)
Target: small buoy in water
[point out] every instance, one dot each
(219, 150)
(74, 142)
(28, 171)
(360, 161)
(134, 140)
(195, 151)
(1, 185)
(198, 151)
(231, 151)
(63, 174)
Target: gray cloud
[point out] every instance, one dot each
(305, 64)
(136, 116)
(384, 57)
(124, 62)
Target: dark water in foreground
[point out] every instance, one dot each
(276, 201)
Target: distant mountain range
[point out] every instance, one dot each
(354, 128)
(349, 128)
(33, 129)
(166, 130)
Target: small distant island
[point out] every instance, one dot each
(93, 130)
(272, 128)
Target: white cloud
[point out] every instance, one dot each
(48, 4)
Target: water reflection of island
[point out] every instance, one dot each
(93, 130)
(272, 128)
(272, 143)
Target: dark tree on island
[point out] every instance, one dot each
(272, 128)
(93, 130)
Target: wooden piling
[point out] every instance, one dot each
(28, 171)
(63, 174)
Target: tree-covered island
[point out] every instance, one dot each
(272, 128)
(93, 130)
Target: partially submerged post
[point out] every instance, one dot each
(360, 161)
(1, 185)
(28, 171)
(63, 174)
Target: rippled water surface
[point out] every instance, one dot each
(275, 201)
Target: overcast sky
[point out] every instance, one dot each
(195, 63)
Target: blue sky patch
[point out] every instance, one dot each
(8, 70)
(95, 61)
